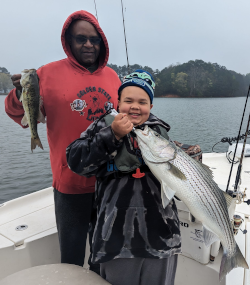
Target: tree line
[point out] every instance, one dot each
(5, 81)
(195, 78)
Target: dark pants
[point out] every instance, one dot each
(140, 271)
(74, 217)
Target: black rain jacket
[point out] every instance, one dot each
(131, 220)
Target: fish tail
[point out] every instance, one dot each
(229, 263)
(35, 142)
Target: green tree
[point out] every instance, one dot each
(4, 70)
(164, 81)
(247, 79)
(180, 83)
(5, 82)
(194, 78)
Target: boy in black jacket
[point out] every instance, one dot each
(136, 240)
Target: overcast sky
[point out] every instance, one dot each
(159, 32)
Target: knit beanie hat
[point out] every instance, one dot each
(142, 79)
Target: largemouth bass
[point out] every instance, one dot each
(31, 101)
(192, 182)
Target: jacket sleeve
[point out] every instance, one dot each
(14, 108)
(96, 146)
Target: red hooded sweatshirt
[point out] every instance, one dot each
(72, 99)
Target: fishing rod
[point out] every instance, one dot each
(96, 11)
(125, 36)
(238, 138)
(124, 30)
(237, 179)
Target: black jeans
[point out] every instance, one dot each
(75, 216)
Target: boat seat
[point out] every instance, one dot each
(65, 274)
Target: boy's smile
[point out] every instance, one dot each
(135, 102)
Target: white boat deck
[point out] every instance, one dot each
(38, 244)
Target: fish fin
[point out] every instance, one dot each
(40, 117)
(209, 236)
(176, 172)
(230, 262)
(167, 194)
(164, 199)
(35, 142)
(228, 198)
(24, 121)
(206, 168)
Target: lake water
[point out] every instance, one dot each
(193, 121)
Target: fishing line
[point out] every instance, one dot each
(124, 30)
(229, 158)
(238, 137)
(125, 36)
(96, 11)
(230, 140)
(233, 139)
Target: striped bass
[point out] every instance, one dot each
(192, 182)
(31, 101)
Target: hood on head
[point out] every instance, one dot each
(86, 16)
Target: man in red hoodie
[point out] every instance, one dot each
(75, 91)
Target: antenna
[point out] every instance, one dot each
(96, 11)
(125, 37)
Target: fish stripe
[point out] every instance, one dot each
(214, 210)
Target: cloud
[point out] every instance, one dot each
(159, 33)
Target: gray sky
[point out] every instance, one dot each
(159, 32)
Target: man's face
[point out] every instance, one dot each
(86, 54)
(135, 102)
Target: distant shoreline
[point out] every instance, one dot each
(169, 96)
(192, 97)
(173, 96)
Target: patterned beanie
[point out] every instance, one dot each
(142, 79)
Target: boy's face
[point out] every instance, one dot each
(135, 102)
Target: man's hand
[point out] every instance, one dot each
(16, 82)
(121, 126)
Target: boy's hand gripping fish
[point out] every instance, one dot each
(192, 182)
(31, 101)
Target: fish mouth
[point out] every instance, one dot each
(158, 154)
(27, 76)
